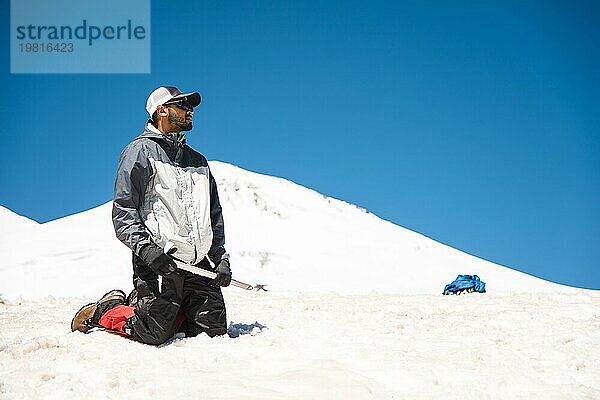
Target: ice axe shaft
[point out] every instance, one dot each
(210, 274)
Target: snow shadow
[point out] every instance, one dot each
(236, 330)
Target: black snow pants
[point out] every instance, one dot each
(160, 299)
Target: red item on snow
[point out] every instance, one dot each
(115, 318)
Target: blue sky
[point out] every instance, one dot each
(475, 124)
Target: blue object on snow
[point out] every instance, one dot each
(469, 283)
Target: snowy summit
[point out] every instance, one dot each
(280, 234)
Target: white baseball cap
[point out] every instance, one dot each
(165, 94)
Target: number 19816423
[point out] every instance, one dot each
(47, 47)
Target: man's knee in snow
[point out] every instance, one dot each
(155, 320)
(159, 338)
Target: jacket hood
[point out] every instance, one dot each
(173, 139)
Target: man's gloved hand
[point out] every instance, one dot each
(157, 260)
(223, 271)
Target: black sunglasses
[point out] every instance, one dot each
(183, 104)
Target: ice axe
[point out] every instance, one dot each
(169, 249)
(209, 274)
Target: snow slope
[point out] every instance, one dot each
(320, 346)
(278, 233)
(348, 334)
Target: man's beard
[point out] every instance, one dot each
(181, 122)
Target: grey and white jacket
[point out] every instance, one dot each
(165, 195)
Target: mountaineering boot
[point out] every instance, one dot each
(89, 315)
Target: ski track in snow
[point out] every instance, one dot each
(293, 345)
